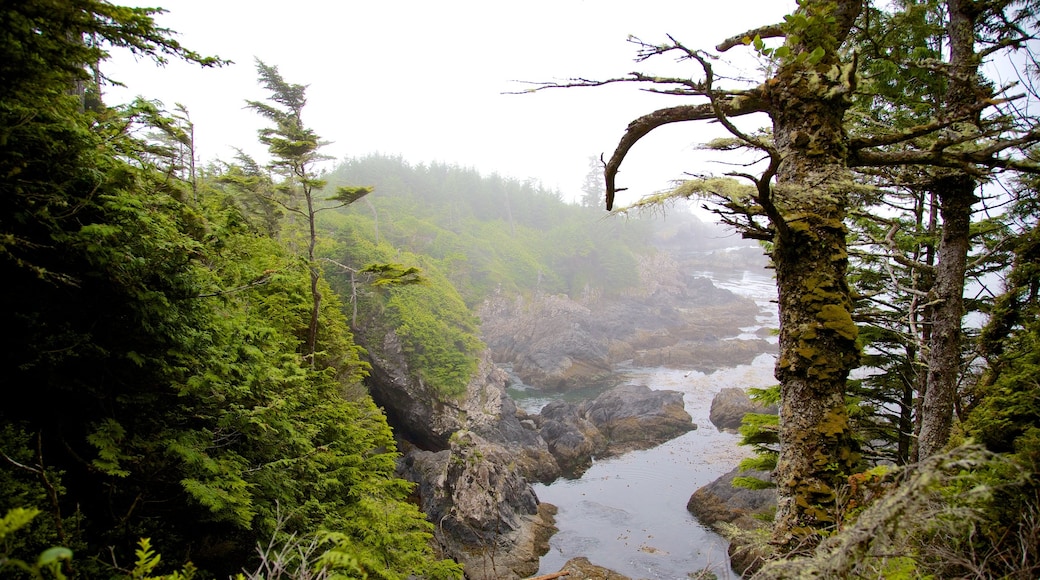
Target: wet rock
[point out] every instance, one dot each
(720, 502)
(637, 417)
(729, 406)
(622, 419)
(583, 569)
(572, 439)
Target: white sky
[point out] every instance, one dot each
(426, 79)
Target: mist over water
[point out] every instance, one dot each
(629, 513)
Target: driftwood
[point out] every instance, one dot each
(550, 576)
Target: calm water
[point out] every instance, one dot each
(629, 513)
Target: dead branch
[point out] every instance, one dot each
(753, 102)
(768, 31)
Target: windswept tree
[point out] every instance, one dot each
(295, 151)
(799, 202)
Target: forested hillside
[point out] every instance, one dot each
(164, 387)
(489, 232)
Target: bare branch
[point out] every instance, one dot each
(768, 31)
(753, 102)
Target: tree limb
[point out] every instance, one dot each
(753, 102)
(768, 31)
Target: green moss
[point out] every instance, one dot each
(839, 320)
(834, 422)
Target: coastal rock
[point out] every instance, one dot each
(572, 439)
(583, 569)
(486, 515)
(425, 419)
(554, 342)
(548, 340)
(720, 502)
(622, 419)
(637, 417)
(729, 406)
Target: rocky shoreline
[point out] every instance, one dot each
(472, 458)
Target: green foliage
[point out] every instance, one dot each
(761, 432)
(50, 560)
(490, 234)
(438, 333)
(161, 392)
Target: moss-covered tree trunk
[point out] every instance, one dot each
(817, 334)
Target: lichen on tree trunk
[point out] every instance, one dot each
(817, 334)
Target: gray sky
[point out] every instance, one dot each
(426, 80)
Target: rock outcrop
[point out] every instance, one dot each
(557, 343)
(622, 419)
(721, 502)
(486, 516)
(729, 406)
(424, 419)
(471, 458)
(583, 569)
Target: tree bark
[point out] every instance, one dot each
(817, 334)
(956, 191)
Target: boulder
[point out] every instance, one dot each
(583, 569)
(720, 502)
(572, 439)
(486, 515)
(729, 406)
(622, 419)
(637, 417)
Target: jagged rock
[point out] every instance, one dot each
(572, 439)
(548, 341)
(729, 406)
(622, 419)
(420, 416)
(705, 356)
(555, 342)
(486, 515)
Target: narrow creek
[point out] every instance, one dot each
(628, 513)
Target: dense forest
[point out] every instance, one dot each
(184, 374)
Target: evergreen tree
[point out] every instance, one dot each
(294, 148)
(800, 203)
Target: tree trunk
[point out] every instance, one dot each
(956, 192)
(315, 273)
(817, 334)
(956, 195)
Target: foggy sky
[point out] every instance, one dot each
(426, 80)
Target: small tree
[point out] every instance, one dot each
(295, 151)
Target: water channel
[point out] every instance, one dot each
(628, 513)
